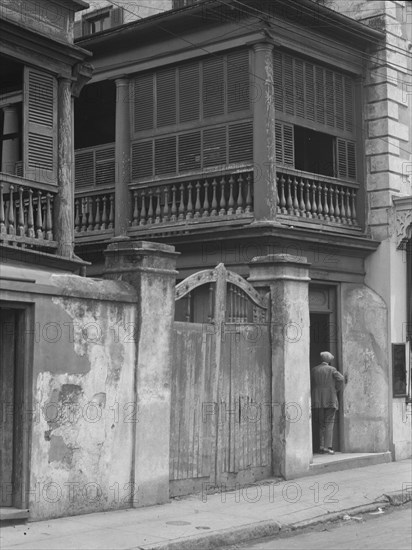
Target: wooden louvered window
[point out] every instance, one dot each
(40, 126)
(314, 106)
(184, 117)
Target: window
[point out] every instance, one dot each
(315, 130)
(11, 152)
(192, 117)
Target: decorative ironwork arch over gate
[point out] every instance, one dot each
(221, 383)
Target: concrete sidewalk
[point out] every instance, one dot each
(207, 521)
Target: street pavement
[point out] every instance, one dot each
(207, 521)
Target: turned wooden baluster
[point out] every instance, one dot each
(337, 209)
(343, 208)
(30, 216)
(331, 204)
(39, 217)
(289, 203)
(91, 217)
(76, 216)
(158, 210)
(43, 209)
(214, 198)
(84, 214)
(295, 187)
(308, 204)
(320, 204)
(97, 218)
(282, 195)
(222, 203)
(347, 206)
(11, 217)
(189, 209)
(325, 202)
(174, 206)
(135, 217)
(111, 212)
(353, 207)
(20, 217)
(302, 198)
(182, 203)
(143, 212)
(314, 204)
(206, 205)
(239, 209)
(2, 218)
(197, 204)
(166, 205)
(277, 194)
(150, 209)
(249, 194)
(49, 218)
(104, 213)
(231, 203)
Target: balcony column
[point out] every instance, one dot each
(10, 149)
(264, 134)
(63, 224)
(122, 156)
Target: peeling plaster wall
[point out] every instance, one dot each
(365, 359)
(83, 395)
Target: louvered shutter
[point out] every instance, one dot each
(346, 158)
(309, 92)
(320, 94)
(238, 83)
(299, 88)
(116, 16)
(105, 166)
(213, 96)
(189, 155)
(142, 159)
(348, 87)
(165, 155)
(241, 142)
(40, 126)
(166, 97)
(143, 102)
(84, 169)
(289, 91)
(189, 92)
(285, 147)
(339, 102)
(329, 99)
(214, 146)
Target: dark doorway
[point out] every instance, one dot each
(323, 338)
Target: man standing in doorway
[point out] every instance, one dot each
(326, 381)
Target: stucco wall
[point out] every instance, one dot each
(365, 360)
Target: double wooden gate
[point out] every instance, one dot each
(221, 383)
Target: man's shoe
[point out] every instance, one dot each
(330, 451)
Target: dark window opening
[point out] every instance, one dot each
(314, 152)
(95, 115)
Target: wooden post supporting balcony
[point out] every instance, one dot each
(64, 201)
(264, 134)
(122, 158)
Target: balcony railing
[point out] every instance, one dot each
(308, 196)
(26, 215)
(227, 196)
(94, 212)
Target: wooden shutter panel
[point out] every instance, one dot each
(105, 166)
(241, 142)
(189, 92)
(238, 82)
(214, 146)
(84, 168)
(348, 87)
(285, 147)
(166, 97)
(346, 158)
(278, 80)
(339, 102)
(116, 16)
(329, 97)
(309, 92)
(189, 155)
(40, 126)
(299, 89)
(143, 103)
(142, 159)
(213, 87)
(165, 155)
(289, 91)
(320, 95)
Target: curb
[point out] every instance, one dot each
(246, 533)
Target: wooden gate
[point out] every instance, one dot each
(221, 383)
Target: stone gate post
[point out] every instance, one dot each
(150, 269)
(287, 278)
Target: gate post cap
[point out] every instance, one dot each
(280, 259)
